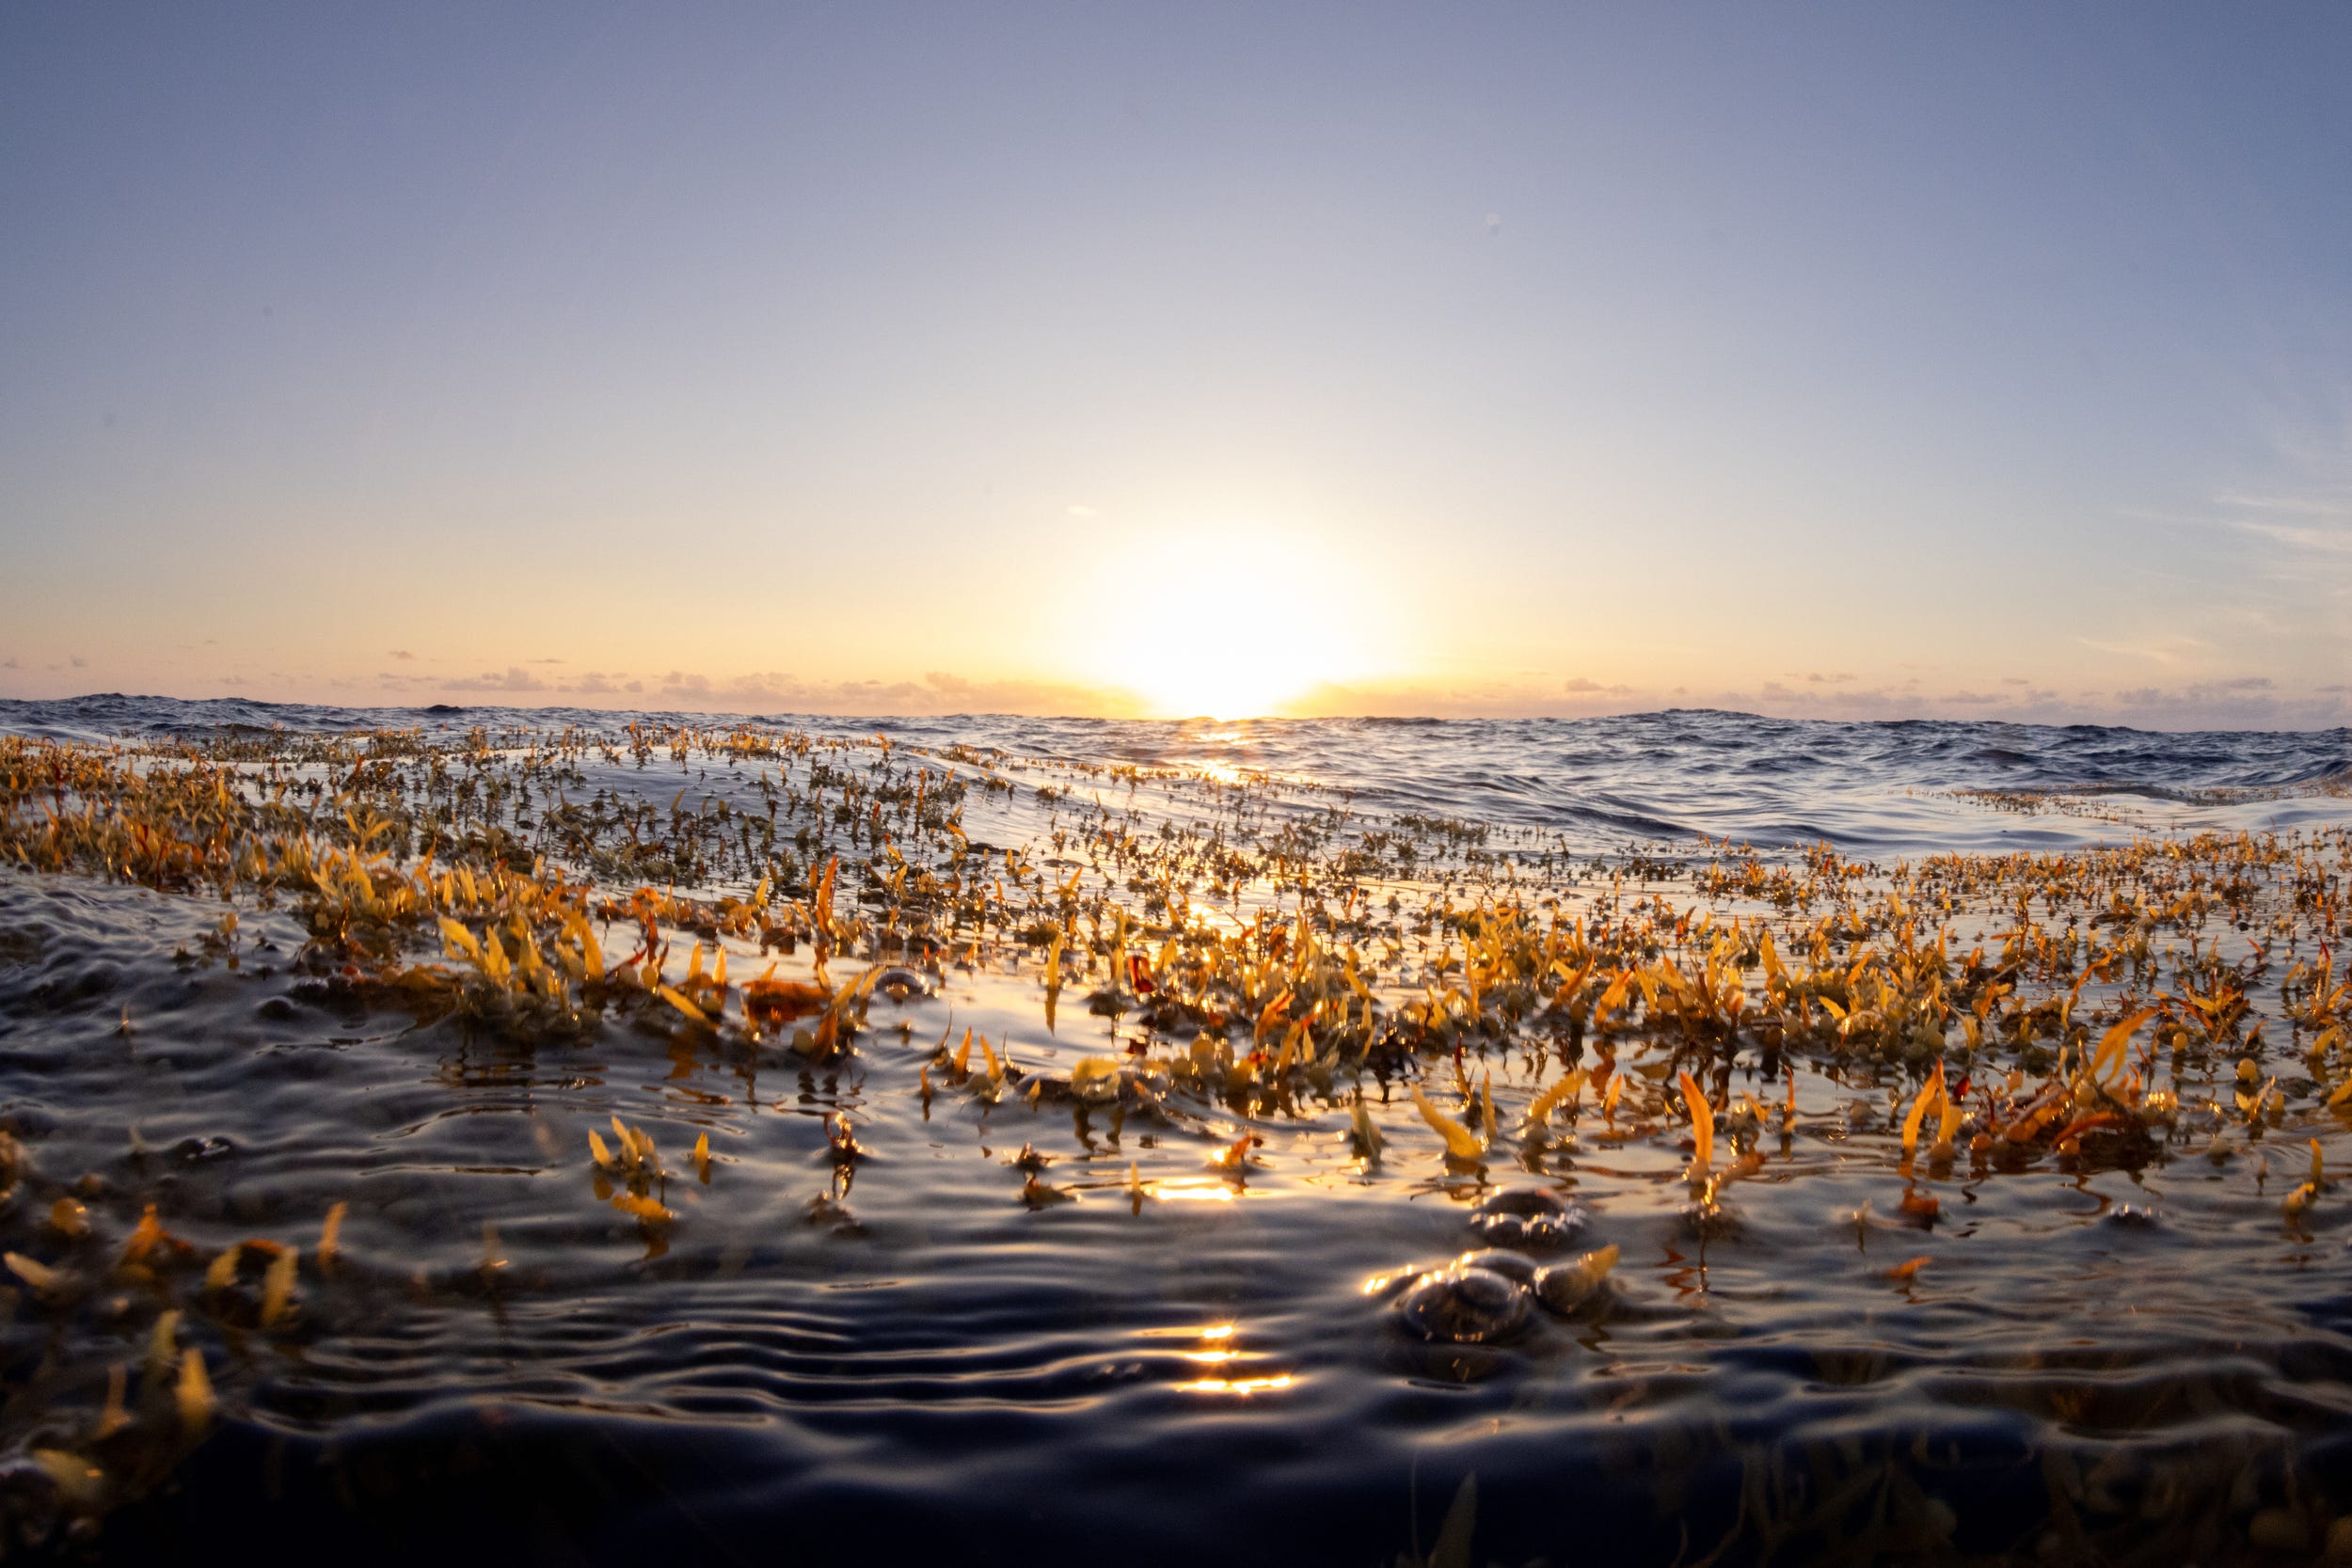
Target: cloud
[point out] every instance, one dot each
(404, 656)
(2324, 540)
(2277, 699)
(2166, 652)
(516, 679)
(2248, 702)
(2328, 508)
(79, 662)
(938, 693)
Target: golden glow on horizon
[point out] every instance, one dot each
(1220, 623)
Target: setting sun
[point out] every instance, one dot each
(1225, 624)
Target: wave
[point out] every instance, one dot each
(1907, 786)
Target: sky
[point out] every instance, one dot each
(1959, 360)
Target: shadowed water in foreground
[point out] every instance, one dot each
(1121, 1277)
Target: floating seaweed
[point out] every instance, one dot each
(1447, 1000)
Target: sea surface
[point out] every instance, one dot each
(939, 1353)
(1900, 787)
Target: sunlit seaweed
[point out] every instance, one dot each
(2110, 1006)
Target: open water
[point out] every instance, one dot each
(932, 1364)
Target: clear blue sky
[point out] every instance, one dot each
(1872, 358)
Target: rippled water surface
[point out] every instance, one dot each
(1131, 1347)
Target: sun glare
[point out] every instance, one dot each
(1222, 624)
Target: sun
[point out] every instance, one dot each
(1220, 624)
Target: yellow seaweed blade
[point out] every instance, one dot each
(1367, 1134)
(330, 1236)
(1594, 1267)
(1701, 1121)
(115, 1416)
(1947, 1123)
(644, 1210)
(1053, 980)
(458, 942)
(144, 1237)
(39, 1276)
(2108, 1060)
(1551, 1098)
(1460, 1141)
(223, 1271)
(1614, 998)
(597, 1151)
(963, 1052)
(1486, 1106)
(702, 1156)
(1912, 1119)
(194, 1395)
(278, 1288)
(81, 1485)
(671, 995)
(162, 1349)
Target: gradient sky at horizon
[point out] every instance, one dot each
(1842, 360)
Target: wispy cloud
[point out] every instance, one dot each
(2326, 539)
(2169, 651)
(517, 678)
